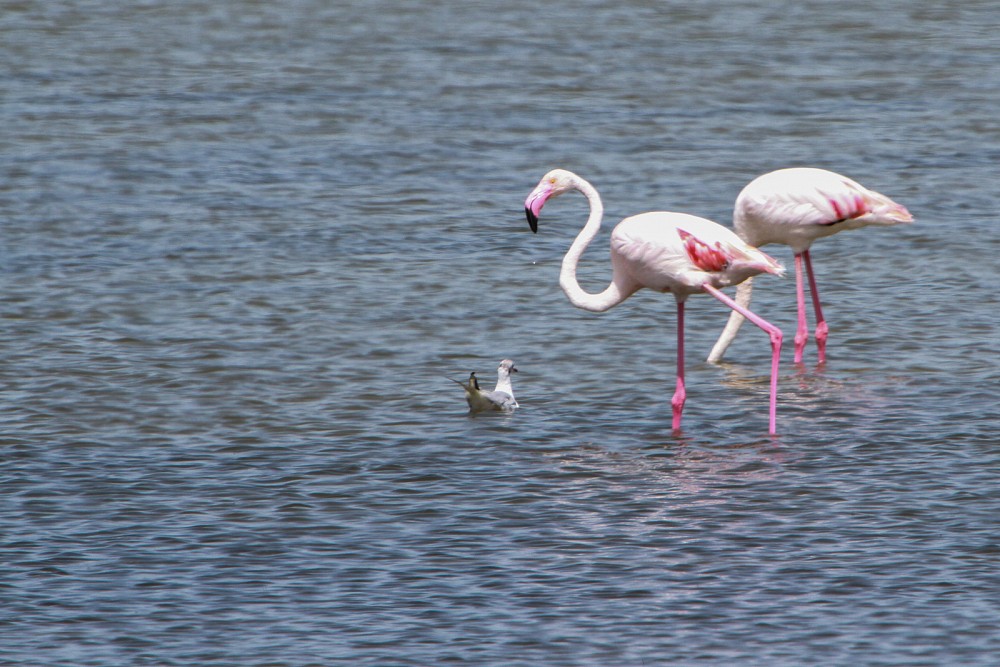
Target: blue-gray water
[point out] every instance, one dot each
(245, 243)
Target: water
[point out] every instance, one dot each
(244, 243)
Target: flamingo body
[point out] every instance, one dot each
(795, 207)
(680, 253)
(662, 251)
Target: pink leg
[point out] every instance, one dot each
(775, 335)
(802, 332)
(680, 395)
(821, 328)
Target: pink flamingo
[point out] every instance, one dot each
(795, 207)
(666, 252)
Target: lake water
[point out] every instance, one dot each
(244, 245)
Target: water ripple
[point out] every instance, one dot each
(244, 247)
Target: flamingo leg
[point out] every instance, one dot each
(802, 331)
(821, 328)
(774, 333)
(680, 394)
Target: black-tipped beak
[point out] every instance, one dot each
(532, 219)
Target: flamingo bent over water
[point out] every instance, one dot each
(667, 252)
(795, 207)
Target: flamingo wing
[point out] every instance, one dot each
(649, 248)
(677, 252)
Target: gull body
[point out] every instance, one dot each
(501, 399)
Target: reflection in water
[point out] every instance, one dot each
(820, 398)
(682, 472)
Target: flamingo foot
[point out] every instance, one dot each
(801, 338)
(821, 333)
(677, 403)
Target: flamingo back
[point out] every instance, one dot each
(796, 206)
(679, 253)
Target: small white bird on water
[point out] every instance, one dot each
(500, 399)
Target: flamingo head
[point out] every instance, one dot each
(553, 184)
(750, 261)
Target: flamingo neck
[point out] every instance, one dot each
(613, 294)
(744, 291)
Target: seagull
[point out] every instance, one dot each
(500, 399)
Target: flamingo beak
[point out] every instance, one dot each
(533, 205)
(532, 219)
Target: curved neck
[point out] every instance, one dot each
(743, 293)
(613, 294)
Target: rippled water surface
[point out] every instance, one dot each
(245, 244)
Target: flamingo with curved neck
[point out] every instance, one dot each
(666, 252)
(795, 207)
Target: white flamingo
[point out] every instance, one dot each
(501, 399)
(795, 207)
(666, 252)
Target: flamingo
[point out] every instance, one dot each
(795, 207)
(500, 399)
(666, 252)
